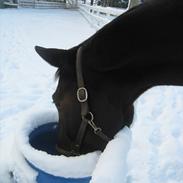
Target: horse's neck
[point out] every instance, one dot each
(144, 70)
(150, 30)
(144, 46)
(145, 78)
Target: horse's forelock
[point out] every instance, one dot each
(57, 74)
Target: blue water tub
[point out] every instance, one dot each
(37, 140)
(44, 138)
(39, 162)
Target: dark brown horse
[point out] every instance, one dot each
(140, 49)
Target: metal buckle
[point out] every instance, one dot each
(82, 94)
(96, 129)
(89, 116)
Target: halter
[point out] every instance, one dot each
(86, 115)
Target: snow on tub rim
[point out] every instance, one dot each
(61, 166)
(99, 166)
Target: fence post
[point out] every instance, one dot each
(133, 3)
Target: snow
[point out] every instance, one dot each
(26, 86)
(112, 165)
(157, 145)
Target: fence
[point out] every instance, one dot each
(99, 16)
(40, 4)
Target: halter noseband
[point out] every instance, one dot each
(86, 116)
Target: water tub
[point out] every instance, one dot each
(37, 140)
(39, 163)
(43, 138)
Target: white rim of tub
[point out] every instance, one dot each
(68, 167)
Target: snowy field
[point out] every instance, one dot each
(27, 83)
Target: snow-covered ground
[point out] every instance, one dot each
(27, 83)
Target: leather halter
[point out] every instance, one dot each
(86, 116)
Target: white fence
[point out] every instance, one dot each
(40, 4)
(99, 16)
(71, 4)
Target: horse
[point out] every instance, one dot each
(100, 78)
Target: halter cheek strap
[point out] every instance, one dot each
(86, 116)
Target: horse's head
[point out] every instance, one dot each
(104, 101)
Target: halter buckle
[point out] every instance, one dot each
(97, 130)
(82, 94)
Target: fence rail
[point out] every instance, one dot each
(40, 4)
(10, 4)
(99, 16)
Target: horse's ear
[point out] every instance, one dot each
(53, 56)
